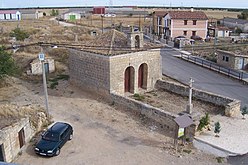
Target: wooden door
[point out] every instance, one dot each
(21, 137)
(1, 153)
(141, 76)
(127, 79)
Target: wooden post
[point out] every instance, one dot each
(176, 138)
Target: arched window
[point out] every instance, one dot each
(137, 41)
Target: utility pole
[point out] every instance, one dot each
(42, 60)
(190, 105)
(102, 22)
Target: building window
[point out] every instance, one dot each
(194, 22)
(225, 58)
(185, 33)
(193, 33)
(185, 22)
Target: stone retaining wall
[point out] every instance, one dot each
(232, 106)
(163, 117)
(159, 115)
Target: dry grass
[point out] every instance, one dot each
(96, 21)
(10, 113)
(43, 30)
(219, 14)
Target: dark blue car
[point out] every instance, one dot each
(53, 139)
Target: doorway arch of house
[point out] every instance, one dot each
(142, 76)
(130, 78)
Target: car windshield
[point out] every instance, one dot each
(51, 136)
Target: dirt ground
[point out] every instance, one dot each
(104, 134)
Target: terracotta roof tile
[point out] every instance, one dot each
(160, 13)
(198, 15)
(8, 11)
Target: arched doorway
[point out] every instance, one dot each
(142, 76)
(137, 41)
(129, 79)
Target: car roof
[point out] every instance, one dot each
(58, 127)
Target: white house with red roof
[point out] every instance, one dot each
(185, 23)
(10, 15)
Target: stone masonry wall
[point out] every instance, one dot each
(231, 61)
(105, 74)
(163, 117)
(9, 138)
(118, 65)
(232, 106)
(90, 71)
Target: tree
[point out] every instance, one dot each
(244, 111)
(19, 34)
(243, 15)
(54, 12)
(238, 30)
(204, 122)
(217, 129)
(7, 64)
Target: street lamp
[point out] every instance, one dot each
(42, 60)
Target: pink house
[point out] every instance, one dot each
(185, 23)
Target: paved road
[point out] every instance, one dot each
(201, 61)
(204, 78)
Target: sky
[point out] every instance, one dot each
(165, 3)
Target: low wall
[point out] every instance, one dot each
(232, 106)
(161, 116)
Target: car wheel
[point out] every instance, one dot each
(71, 136)
(57, 152)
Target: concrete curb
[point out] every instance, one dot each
(210, 148)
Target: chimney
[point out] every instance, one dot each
(192, 9)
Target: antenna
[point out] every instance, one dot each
(110, 6)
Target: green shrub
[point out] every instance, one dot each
(244, 111)
(220, 159)
(217, 128)
(205, 120)
(19, 34)
(7, 64)
(138, 97)
(54, 81)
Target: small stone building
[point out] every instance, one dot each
(13, 138)
(72, 15)
(10, 15)
(114, 66)
(36, 66)
(31, 14)
(232, 60)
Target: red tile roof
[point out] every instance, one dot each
(8, 11)
(160, 13)
(198, 15)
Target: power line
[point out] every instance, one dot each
(85, 47)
